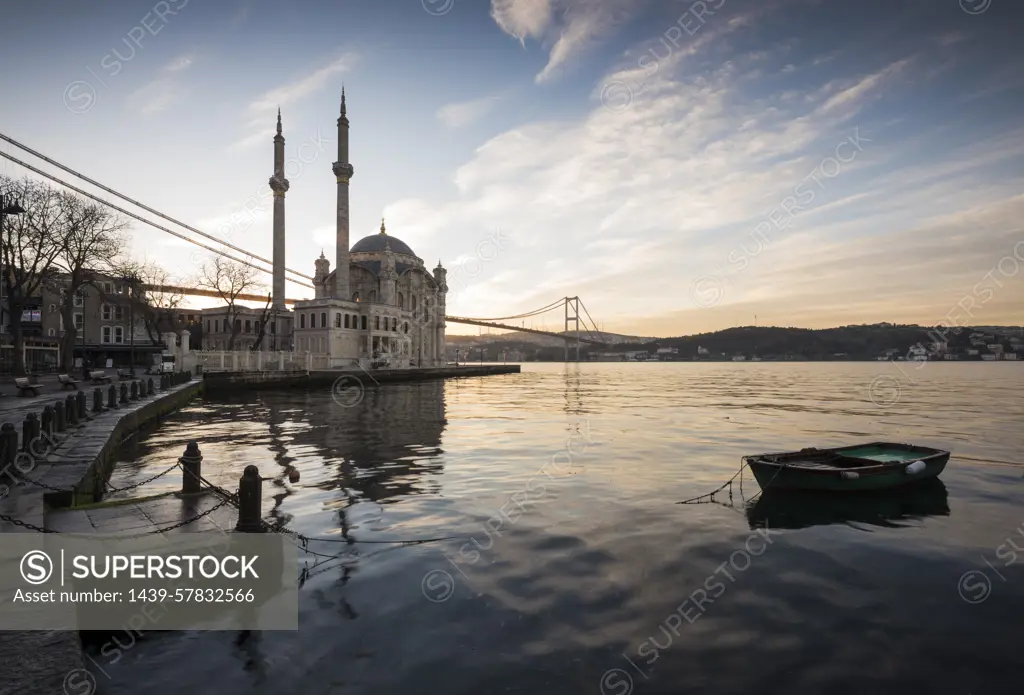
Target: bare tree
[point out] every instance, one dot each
(261, 326)
(229, 280)
(92, 241)
(29, 245)
(155, 300)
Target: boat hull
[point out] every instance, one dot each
(784, 476)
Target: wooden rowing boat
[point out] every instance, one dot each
(874, 466)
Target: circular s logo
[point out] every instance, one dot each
(36, 567)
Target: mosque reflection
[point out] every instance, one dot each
(885, 508)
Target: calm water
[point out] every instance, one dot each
(575, 571)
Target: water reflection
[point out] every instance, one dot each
(794, 509)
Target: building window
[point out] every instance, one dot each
(412, 302)
(107, 288)
(405, 327)
(216, 326)
(105, 312)
(78, 299)
(401, 300)
(323, 319)
(119, 288)
(302, 320)
(364, 323)
(53, 308)
(50, 332)
(119, 313)
(377, 322)
(238, 326)
(105, 334)
(394, 325)
(273, 327)
(337, 320)
(118, 335)
(207, 325)
(79, 321)
(248, 326)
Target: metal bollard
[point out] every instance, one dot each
(124, 393)
(28, 430)
(47, 420)
(71, 410)
(80, 403)
(97, 400)
(192, 468)
(188, 375)
(149, 386)
(250, 493)
(163, 382)
(37, 430)
(112, 397)
(59, 421)
(135, 391)
(8, 445)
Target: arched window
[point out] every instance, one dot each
(376, 323)
(355, 296)
(401, 300)
(302, 320)
(248, 326)
(238, 325)
(323, 319)
(394, 325)
(337, 320)
(346, 320)
(405, 327)
(364, 323)
(412, 302)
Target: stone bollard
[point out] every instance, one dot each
(80, 403)
(135, 391)
(112, 396)
(71, 410)
(163, 382)
(149, 386)
(250, 493)
(188, 375)
(192, 468)
(8, 445)
(47, 420)
(59, 421)
(124, 393)
(97, 400)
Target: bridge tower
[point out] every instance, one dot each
(572, 304)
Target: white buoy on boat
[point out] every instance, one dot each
(916, 467)
(850, 475)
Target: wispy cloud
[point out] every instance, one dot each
(303, 86)
(465, 113)
(182, 62)
(155, 97)
(569, 26)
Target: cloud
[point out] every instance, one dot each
(155, 97)
(182, 62)
(465, 113)
(570, 26)
(643, 200)
(303, 86)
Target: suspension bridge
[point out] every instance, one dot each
(578, 329)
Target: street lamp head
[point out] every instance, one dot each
(13, 208)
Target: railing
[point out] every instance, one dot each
(247, 361)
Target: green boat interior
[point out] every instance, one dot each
(853, 457)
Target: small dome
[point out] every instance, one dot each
(376, 243)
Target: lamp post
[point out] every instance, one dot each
(8, 206)
(131, 329)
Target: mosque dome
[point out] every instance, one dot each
(378, 243)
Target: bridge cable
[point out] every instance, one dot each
(144, 220)
(137, 203)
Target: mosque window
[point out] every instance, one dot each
(405, 327)
(323, 319)
(238, 325)
(412, 302)
(401, 300)
(394, 325)
(302, 320)
(377, 322)
(273, 327)
(337, 321)
(248, 326)
(216, 326)
(364, 323)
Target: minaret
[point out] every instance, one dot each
(323, 269)
(343, 172)
(388, 274)
(279, 185)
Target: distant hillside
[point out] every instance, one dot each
(769, 342)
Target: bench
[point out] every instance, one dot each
(99, 377)
(124, 374)
(66, 381)
(24, 387)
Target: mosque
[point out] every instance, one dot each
(380, 304)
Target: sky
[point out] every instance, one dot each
(682, 167)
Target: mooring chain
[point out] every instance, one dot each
(25, 524)
(111, 488)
